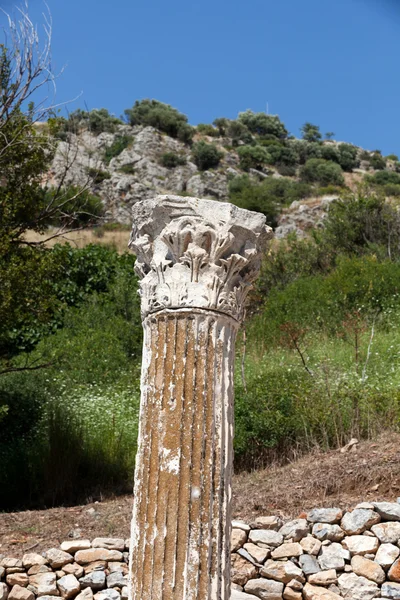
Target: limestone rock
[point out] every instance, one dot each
(29, 560)
(73, 569)
(238, 539)
(272, 522)
(390, 590)
(20, 593)
(124, 593)
(390, 511)
(287, 550)
(283, 571)
(69, 586)
(116, 579)
(266, 536)
(325, 515)
(290, 594)
(241, 570)
(93, 554)
(73, 546)
(9, 563)
(259, 554)
(313, 592)
(332, 557)
(58, 558)
(367, 568)
(86, 594)
(295, 530)
(239, 525)
(388, 533)
(357, 588)
(95, 580)
(265, 589)
(17, 579)
(357, 521)
(309, 564)
(386, 555)
(326, 531)
(118, 566)
(44, 584)
(109, 594)
(3, 591)
(394, 571)
(109, 543)
(238, 595)
(323, 577)
(310, 545)
(97, 565)
(361, 544)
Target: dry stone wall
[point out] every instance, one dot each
(325, 555)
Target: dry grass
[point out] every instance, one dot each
(79, 239)
(370, 472)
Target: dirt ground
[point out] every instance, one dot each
(368, 472)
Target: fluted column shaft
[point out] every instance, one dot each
(182, 509)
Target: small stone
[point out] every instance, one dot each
(357, 521)
(2, 572)
(236, 525)
(3, 591)
(386, 555)
(60, 574)
(357, 588)
(310, 545)
(312, 592)
(20, 593)
(348, 569)
(272, 522)
(86, 594)
(244, 554)
(283, 571)
(58, 558)
(9, 563)
(394, 571)
(124, 593)
(44, 584)
(361, 544)
(35, 569)
(241, 570)
(264, 589)
(266, 536)
(118, 566)
(73, 569)
(296, 530)
(108, 594)
(238, 538)
(259, 554)
(30, 560)
(287, 550)
(21, 579)
(309, 564)
(390, 590)
(109, 543)
(325, 515)
(238, 595)
(95, 580)
(290, 594)
(365, 505)
(69, 586)
(367, 568)
(332, 557)
(323, 577)
(388, 533)
(73, 546)
(325, 531)
(15, 570)
(390, 511)
(93, 554)
(97, 565)
(116, 579)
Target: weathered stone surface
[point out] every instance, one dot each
(325, 515)
(259, 554)
(283, 571)
(68, 586)
(118, 566)
(367, 568)
(394, 571)
(86, 594)
(272, 522)
(29, 560)
(95, 580)
(83, 557)
(390, 590)
(73, 569)
(310, 545)
(295, 530)
(35, 569)
(309, 564)
(389, 511)
(289, 594)
(238, 595)
(323, 577)
(9, 563)
(241, 570)
(3, 591)
(332, 557)
(241, 525)
(357, 521)
(287, 550)
(109, 543)
(116, 579)
(124, 593)
(97, 565)
(388, 533)
(238, 539)
(266, 536)
(44, 584)
(17, 579)
(265, 589)
(313, 592)
(361, 544)
(357, 588)
(20, 593)
(72, 546)
(58, 558)
(325, 531)
(109, 594)
(386, 555)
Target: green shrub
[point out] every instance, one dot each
(329, 152)
(392, 189)
(286, 171)
(239, 133)
(98, 175)
(393, 157)
(128, 169)
(170, 160)
(322, 171)
(78, 208)
(385, 177)
(119, 144)
(348, 157)
(263, 124)
(221, 124)
(206, 156)
(253, 157)
(282, 155)
(207, 129)
(96, 121)
(310, 132)
(377, 161)
(161, 116)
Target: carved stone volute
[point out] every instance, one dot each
(196, 254)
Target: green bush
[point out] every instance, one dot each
(325, 172)
(393, 157)
(348, 157)
(206, 156)
(263, 124)
(98, 175)
(161, 116)
(119, 144)
(239, 133)
(170, 160)
(384, 177)
(207, 129)
(310, 132)
(221, 124)
(96, 121)
(128, 169)
(78, 208)
(253, 157)
(377, 161)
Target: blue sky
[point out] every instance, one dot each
(334, 63)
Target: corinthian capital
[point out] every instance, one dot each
(195, 253)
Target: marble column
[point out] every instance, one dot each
(197, 260)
